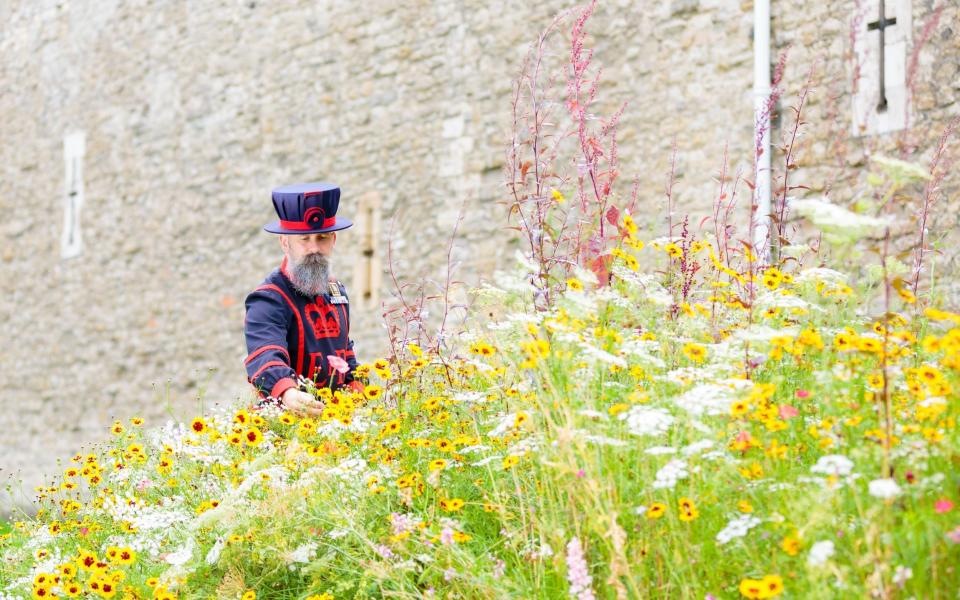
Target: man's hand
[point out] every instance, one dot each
(301, 403)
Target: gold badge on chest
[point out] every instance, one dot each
(335, 296)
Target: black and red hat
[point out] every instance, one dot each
(307, 208)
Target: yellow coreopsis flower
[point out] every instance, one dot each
(673, 250)
(452, 505)
(688, 510)
(253, 436)
(694, 352)
(790, 545)
(656, 510)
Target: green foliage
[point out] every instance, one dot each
(624, 443)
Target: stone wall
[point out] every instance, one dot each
(192, 112)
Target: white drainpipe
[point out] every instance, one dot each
(761, 92)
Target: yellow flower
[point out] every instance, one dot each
(198, 425)
(772, 586)
(744, 506)
(618, 408)
(249, 595)
(557, 196)
(907, 295)
(739, 408)
(754, 471)
(323, 596)
(125, 556)
(694, 352)
(656, 510)
(751, 588)
(790, 545)
(688, 510)
(116, 428)
(438, 464)
(253, 436)
(461, 537)
(673, 250)
(772, 278)
(136, 421)
(520, 419)
(574, 284)
(510, 461)
(482, 348)
(452, 505)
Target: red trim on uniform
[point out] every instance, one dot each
(263, 349)
(272, 363)
(301, 226)
(281, 386)
(296, 312)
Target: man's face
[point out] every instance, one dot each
(295, 247)
(308, 259)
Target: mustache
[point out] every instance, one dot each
(314, 260)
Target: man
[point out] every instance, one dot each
(298, 320)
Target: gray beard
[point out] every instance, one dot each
(311, 276)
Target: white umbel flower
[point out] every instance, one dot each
(885, 489)
(737, 528)
(647, 421)
(670, 474)
(838, 223)
(833, 464)
(820, 553)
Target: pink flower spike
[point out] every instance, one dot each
(802, 394)
(787, 411)
(338, 364)
(581, 473)
(943, 505)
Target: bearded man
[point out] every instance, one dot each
(298, 321)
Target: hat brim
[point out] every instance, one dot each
(276, 227)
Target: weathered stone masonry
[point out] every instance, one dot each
(192, 111)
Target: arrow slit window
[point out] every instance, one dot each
(71, 241)
(366, 270)
(881, 100)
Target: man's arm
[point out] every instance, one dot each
(268, 359)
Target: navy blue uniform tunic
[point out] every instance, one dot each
(289, 334)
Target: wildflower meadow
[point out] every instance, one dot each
(621, 414)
